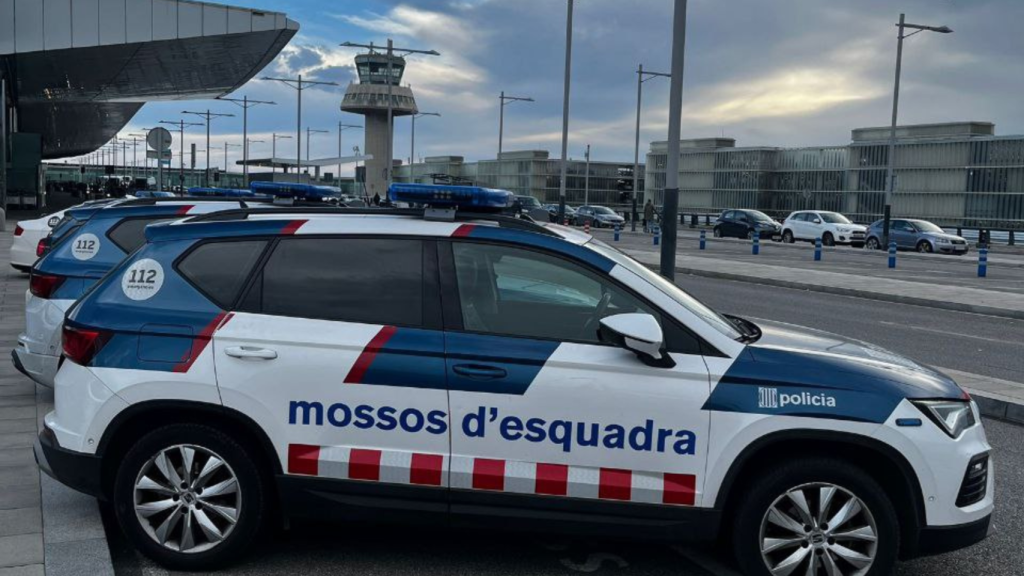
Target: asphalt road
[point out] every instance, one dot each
(968, 342)
(910, 266)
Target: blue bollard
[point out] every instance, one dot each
(657, 235)
(982, 262)
(817, 249)
(892, 255)
(616, 232)
(755, 248)
(703, 239)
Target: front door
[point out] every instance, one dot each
(336, 352)
(902, 233)
(546, 416)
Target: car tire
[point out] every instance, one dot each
(827, 239)
(925, 247)
(242, 492)
(787, 237)
(717, 232)
(873, 244)
(811, 478)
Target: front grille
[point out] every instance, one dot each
(975, 482)
(959, 242)
(857, 234)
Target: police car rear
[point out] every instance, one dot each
(464, 367)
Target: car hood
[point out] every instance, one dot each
(942, 235)
(852, 227)
(797, 371)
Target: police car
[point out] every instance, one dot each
(455, 366)
(83, 246)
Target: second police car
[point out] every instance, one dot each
(467, 368)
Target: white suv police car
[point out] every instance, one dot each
(472, 369)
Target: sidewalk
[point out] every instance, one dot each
(45, 527)
(996, 398)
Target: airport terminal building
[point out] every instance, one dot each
(954, 174)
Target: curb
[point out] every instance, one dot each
(881, 296)
(997, 408)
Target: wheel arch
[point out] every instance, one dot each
(883, 462)
(143, 417)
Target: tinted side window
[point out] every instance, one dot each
(800, 217)
(376, 281)
(131, 233)
(219, 269)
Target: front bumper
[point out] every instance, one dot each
(942, 539)
(82, 472)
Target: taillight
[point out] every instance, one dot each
(18, 230)
(42, 246)
(44, 285)
(82, 344)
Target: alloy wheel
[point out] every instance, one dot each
(818, 529)
(187, 498)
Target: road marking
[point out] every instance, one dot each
(954, 334)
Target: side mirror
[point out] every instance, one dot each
(638, 333)
(817, 220)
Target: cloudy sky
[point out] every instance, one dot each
(766, 72)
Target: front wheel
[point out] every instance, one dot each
(924, 247)
(816, 516)
(873, 244)
(787, 237)
(189, 497)
(828, 239)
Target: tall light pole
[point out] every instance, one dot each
(135, 152)
(226, 145)
(504, 100)
(245, 104)
(565, 113)
(670, 206)
(389, 160)
(209, 117)
(586, 179)
(412, 148)
(640, 73)
(181, 124)
(310, 132)
(299, 85)
(248, 143)
(273, 149)
(890, 178)
(341, 128)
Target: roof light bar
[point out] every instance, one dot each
(446, 196)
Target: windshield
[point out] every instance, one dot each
(529, 201)
(927, 226)
(714, 319)
(758, 216)
(833, 218)
(603, 210)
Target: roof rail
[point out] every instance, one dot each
(166, 200)
(525, 223)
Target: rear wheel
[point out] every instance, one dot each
(189, 497)
(717, 232)
(816, 516)
(924, 246)
(828, 239)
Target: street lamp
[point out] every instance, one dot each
(389, 160)
(412, 149)
(640, 73)
(501, 115)
(249, 142)
(341, 128)
(181, 155)
(209, 117)
(226, 145)
(586, 178)
(299, 85)
(245, 104)
(310, 132)
(670, 205)
(273, 150)
(890, 178)
(565, 113)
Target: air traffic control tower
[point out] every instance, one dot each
(370, 98)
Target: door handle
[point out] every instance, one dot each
(250, 352)
(479, 372)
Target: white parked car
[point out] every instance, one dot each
(832, 227)
(27, 235)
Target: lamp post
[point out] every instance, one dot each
(565, 113)
(273, 150)
(586, 179)
(209, 117)
(640, 73)
(341, 128)
(504, 100)
(670, 205)
(299, 85)
(181, 142)
(135, 151)
(245, 104)
(310, 132)
(248, 143)
(412, 148)
(389, 160)
(226, 145)
(890, 178)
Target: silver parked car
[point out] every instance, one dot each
(919, 235)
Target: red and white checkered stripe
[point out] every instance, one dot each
(346, 463)
(512, 476)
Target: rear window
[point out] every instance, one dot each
(219, 269)
(369, 280)
(129, 234)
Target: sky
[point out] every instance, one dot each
(765, 72)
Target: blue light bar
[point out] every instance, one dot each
(443, 195)
(224, 192)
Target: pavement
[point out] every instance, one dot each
(45, 527)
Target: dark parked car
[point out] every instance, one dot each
(745, 224)
(919, 235)
(570, 213)
(528, 204)
(598, 217)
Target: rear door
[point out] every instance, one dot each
(336, 351)
(544, 416)
(798, 225)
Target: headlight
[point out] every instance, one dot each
(943, 241)
(953, 416)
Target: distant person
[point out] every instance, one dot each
(648, 215)
(376, 198)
